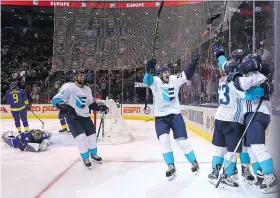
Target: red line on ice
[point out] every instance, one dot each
(59, 176)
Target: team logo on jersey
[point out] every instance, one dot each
(81, 101)
(168, 94)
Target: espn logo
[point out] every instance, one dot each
(131, 110)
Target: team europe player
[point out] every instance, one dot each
(257, 84)
(19, 104)
(61, 116)
(228, 125)
(167, 112)
(34, 140)
(75, 100)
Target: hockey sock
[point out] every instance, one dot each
(187, 149)
(264, 158)
(232, 163)
(17, 123)
(63, 123)
(244, 157)
(25, 124)
(218, 157)
(81, 142)
(91, 141)
(255, 164)
(165, 144)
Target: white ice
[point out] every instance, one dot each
(130, 170)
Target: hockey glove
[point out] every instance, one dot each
(193, 63)
(103, 108)
(65, 108)
(150, 65)
(249, 65)
(232, 76)
(218, 51)
(268, 89)
(28, 107)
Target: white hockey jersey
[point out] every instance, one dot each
(254, 79)
(230, 103)
(165, 95)
(78, 98)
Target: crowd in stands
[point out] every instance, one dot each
(25, 59)
(26, 55)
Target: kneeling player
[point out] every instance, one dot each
(167, 112)
(34, 140)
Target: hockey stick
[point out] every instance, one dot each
(101, 124)
(43, 124)
(238, 144)
(153, 52)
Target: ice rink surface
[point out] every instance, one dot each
(133, 170)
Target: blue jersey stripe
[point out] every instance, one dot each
(238, 111)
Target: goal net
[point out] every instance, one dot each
(113, 129)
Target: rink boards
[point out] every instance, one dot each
(199, 119)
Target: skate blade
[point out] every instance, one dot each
(196, 172)
(250, 182)
(213, 181)
(98, 162)
(271, 190)
(172, 177)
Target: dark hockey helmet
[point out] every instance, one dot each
(76, 72)
(162, 69)
(13, 85)
(238, 55)
(230, 66)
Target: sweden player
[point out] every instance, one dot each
(61, 116)
(34, 140)
(167, 112)
(19, 104)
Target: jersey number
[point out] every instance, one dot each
(15, 97)
(224, 89)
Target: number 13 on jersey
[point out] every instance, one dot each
(224, 94)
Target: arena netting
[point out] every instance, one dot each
(107, 35)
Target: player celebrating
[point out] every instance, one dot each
(228, 123)
(61, 116)
(35, 140)
(257, 85)
(167, 112)
(19, 104)
(75, 100)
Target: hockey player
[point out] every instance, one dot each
(34, 140)
(19, 104)
(255, 84)
(75, 100)
(167, 112)
(229, 125)
(61, 116)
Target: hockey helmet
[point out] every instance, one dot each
(76, 72)
(162, 69)
(230, 66)
(239, 54)
(37, 135)
(13, 85)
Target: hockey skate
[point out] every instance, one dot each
(171, 172)
(228, 181)
(87, 163)
(65, 131)
(195, 167)
(259, 178)
(235, 174)
(96, 158)
(270, 184)
(214, 175)
(247, 175)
